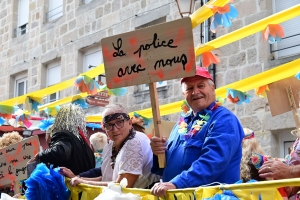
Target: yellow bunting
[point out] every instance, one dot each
(53, 89)
(249, 30)
(264, 78)
(250, 83)
(267, 190)
(205, 12)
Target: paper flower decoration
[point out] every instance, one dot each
(117, 91)
(2, 121)
(185, 107)
(81, 102)
(7, 111)
(222, 16)
(86, 84)
(93, 125)
(220, 101)
(147, 121)
(273, 32)
(24, 118)
(32, 103)
(297, 76)
(208, 58)
(237, 97)
(52, 110)
(45, 124)
(261, 91)
(182, 126)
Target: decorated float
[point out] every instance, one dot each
(177, 37)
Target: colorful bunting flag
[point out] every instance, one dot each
(222, 16)
(86, 84)
(237, 97)
(273, 32)
(208, 58)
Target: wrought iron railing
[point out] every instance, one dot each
(49, 15)
(21, 30)
(292, 46)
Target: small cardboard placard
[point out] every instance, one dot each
(161, 52)
(13, 160)
(278, 97)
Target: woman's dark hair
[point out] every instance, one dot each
(138, 124)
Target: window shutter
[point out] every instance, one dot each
(291, 27)
(93, 59)
(53, 77)
(23, 12)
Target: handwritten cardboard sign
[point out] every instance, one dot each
(13, 160)
(153, 54)
(278, 98)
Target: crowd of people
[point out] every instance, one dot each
(207, 146)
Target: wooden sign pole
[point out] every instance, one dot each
(16, 187)
(293, 106)
(156, 120)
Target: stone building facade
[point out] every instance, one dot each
(63, 40)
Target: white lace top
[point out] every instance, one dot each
(135, 157)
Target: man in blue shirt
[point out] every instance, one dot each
(205, 146)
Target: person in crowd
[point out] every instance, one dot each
(68, 146)
(96, 173)
(10, 138)
(252, 157)
(203, 147)
(98, 141)
(127, 155)
(276, 169)
(6, 140)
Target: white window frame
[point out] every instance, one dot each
(17, 82)
(51, 66)
(86, 1)
(288, 41)
(23, 17)
(55, 11)
(86, 64)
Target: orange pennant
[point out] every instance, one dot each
(209, 58)
(273, 30)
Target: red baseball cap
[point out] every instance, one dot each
(200, 71)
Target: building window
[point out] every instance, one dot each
(21, 87)
(158, 85)
(290, 44)
(23, 15)
(53, 77)
(55, 10)
(286, 140)
(92, 58)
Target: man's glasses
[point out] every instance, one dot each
(118, 124)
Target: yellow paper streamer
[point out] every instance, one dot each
(245, 191)
(52, 89)
(205, 12)
(284, 71)
(249, 30)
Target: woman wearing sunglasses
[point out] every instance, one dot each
(127, 155)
